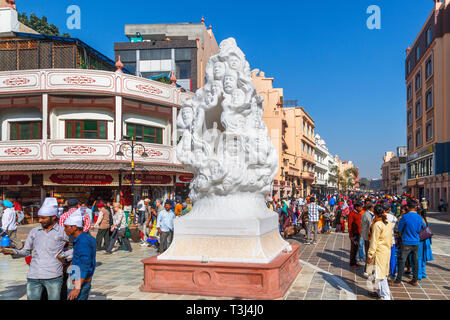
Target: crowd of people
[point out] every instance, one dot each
(389, 235)
(61, 252)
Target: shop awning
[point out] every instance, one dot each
(103, 167)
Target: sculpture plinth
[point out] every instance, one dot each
(230, 233)
(220, 279)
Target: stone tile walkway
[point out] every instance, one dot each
(325, 273)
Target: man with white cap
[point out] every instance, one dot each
(45, 242)
(9, 224)
(83, 261)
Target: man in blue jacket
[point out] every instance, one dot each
(409, 227)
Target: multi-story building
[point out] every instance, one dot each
(321, 168)
(62, 127)
(427, 73)
(402, 156)
(390, 173)
(343, 166)
(292, 133)
(332, 178)
(325, 181)
(182, 49)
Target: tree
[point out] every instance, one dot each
(350, 174)
(337, 178)
(40, 25)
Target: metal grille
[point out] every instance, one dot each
(46, 54)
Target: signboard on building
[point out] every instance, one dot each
(148, 179)
(80, 179)
(184, 178)
(15, 180)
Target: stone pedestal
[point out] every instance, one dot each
(223, 279)
(237, 228)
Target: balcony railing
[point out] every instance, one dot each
(81, 150)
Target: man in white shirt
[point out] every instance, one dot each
(9, 224)
(164, 225)
(366, 221)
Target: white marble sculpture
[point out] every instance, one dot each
(226, 143)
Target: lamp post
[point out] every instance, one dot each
(132, 145)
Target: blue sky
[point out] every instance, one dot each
(349, 78)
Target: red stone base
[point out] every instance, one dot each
(240, 280)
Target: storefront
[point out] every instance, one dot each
(22, 188)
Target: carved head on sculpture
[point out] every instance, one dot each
(185, 118)
(219, 70)
(230, 82)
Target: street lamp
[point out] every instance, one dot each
(119, 153)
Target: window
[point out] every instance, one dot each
(409, 118)
(429, 99)
(429, 68)
(429, 34)
(25, 130)
(417, 53)
(148, 134)
(86, 129)
(127, 55)
(409, 92)
(155, 54)
(418, 80)
(419, 137)
(410, 145)
(408, 66)
(183, 69)
(183, 54)
(429, 130)
(418, 109)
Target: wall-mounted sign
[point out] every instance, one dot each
(15, 180)
(148, 179)
(184, 178)
(80, 179)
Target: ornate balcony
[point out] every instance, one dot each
(81, 150)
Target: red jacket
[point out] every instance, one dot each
(354, 223)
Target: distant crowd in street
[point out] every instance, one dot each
(389, 235)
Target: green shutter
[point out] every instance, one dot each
(77, 129)
(35, 130)
(130, 130)
(25, 131)
(68, 129)
(102, 130)
(138, 130)
(159, 135)
(90, 125)
(13, 131)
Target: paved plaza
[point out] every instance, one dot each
(325, 273)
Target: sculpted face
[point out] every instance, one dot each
(188, 115)
(219, 70)
(229, 83)
(234, 62)
(238, 97)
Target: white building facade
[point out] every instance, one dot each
(324, 162)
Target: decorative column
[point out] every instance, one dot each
(118, 102)
(44, 123)
(118, 118)
(174, 126)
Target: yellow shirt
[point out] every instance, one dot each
(380, 248)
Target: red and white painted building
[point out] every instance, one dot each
(61, 130)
